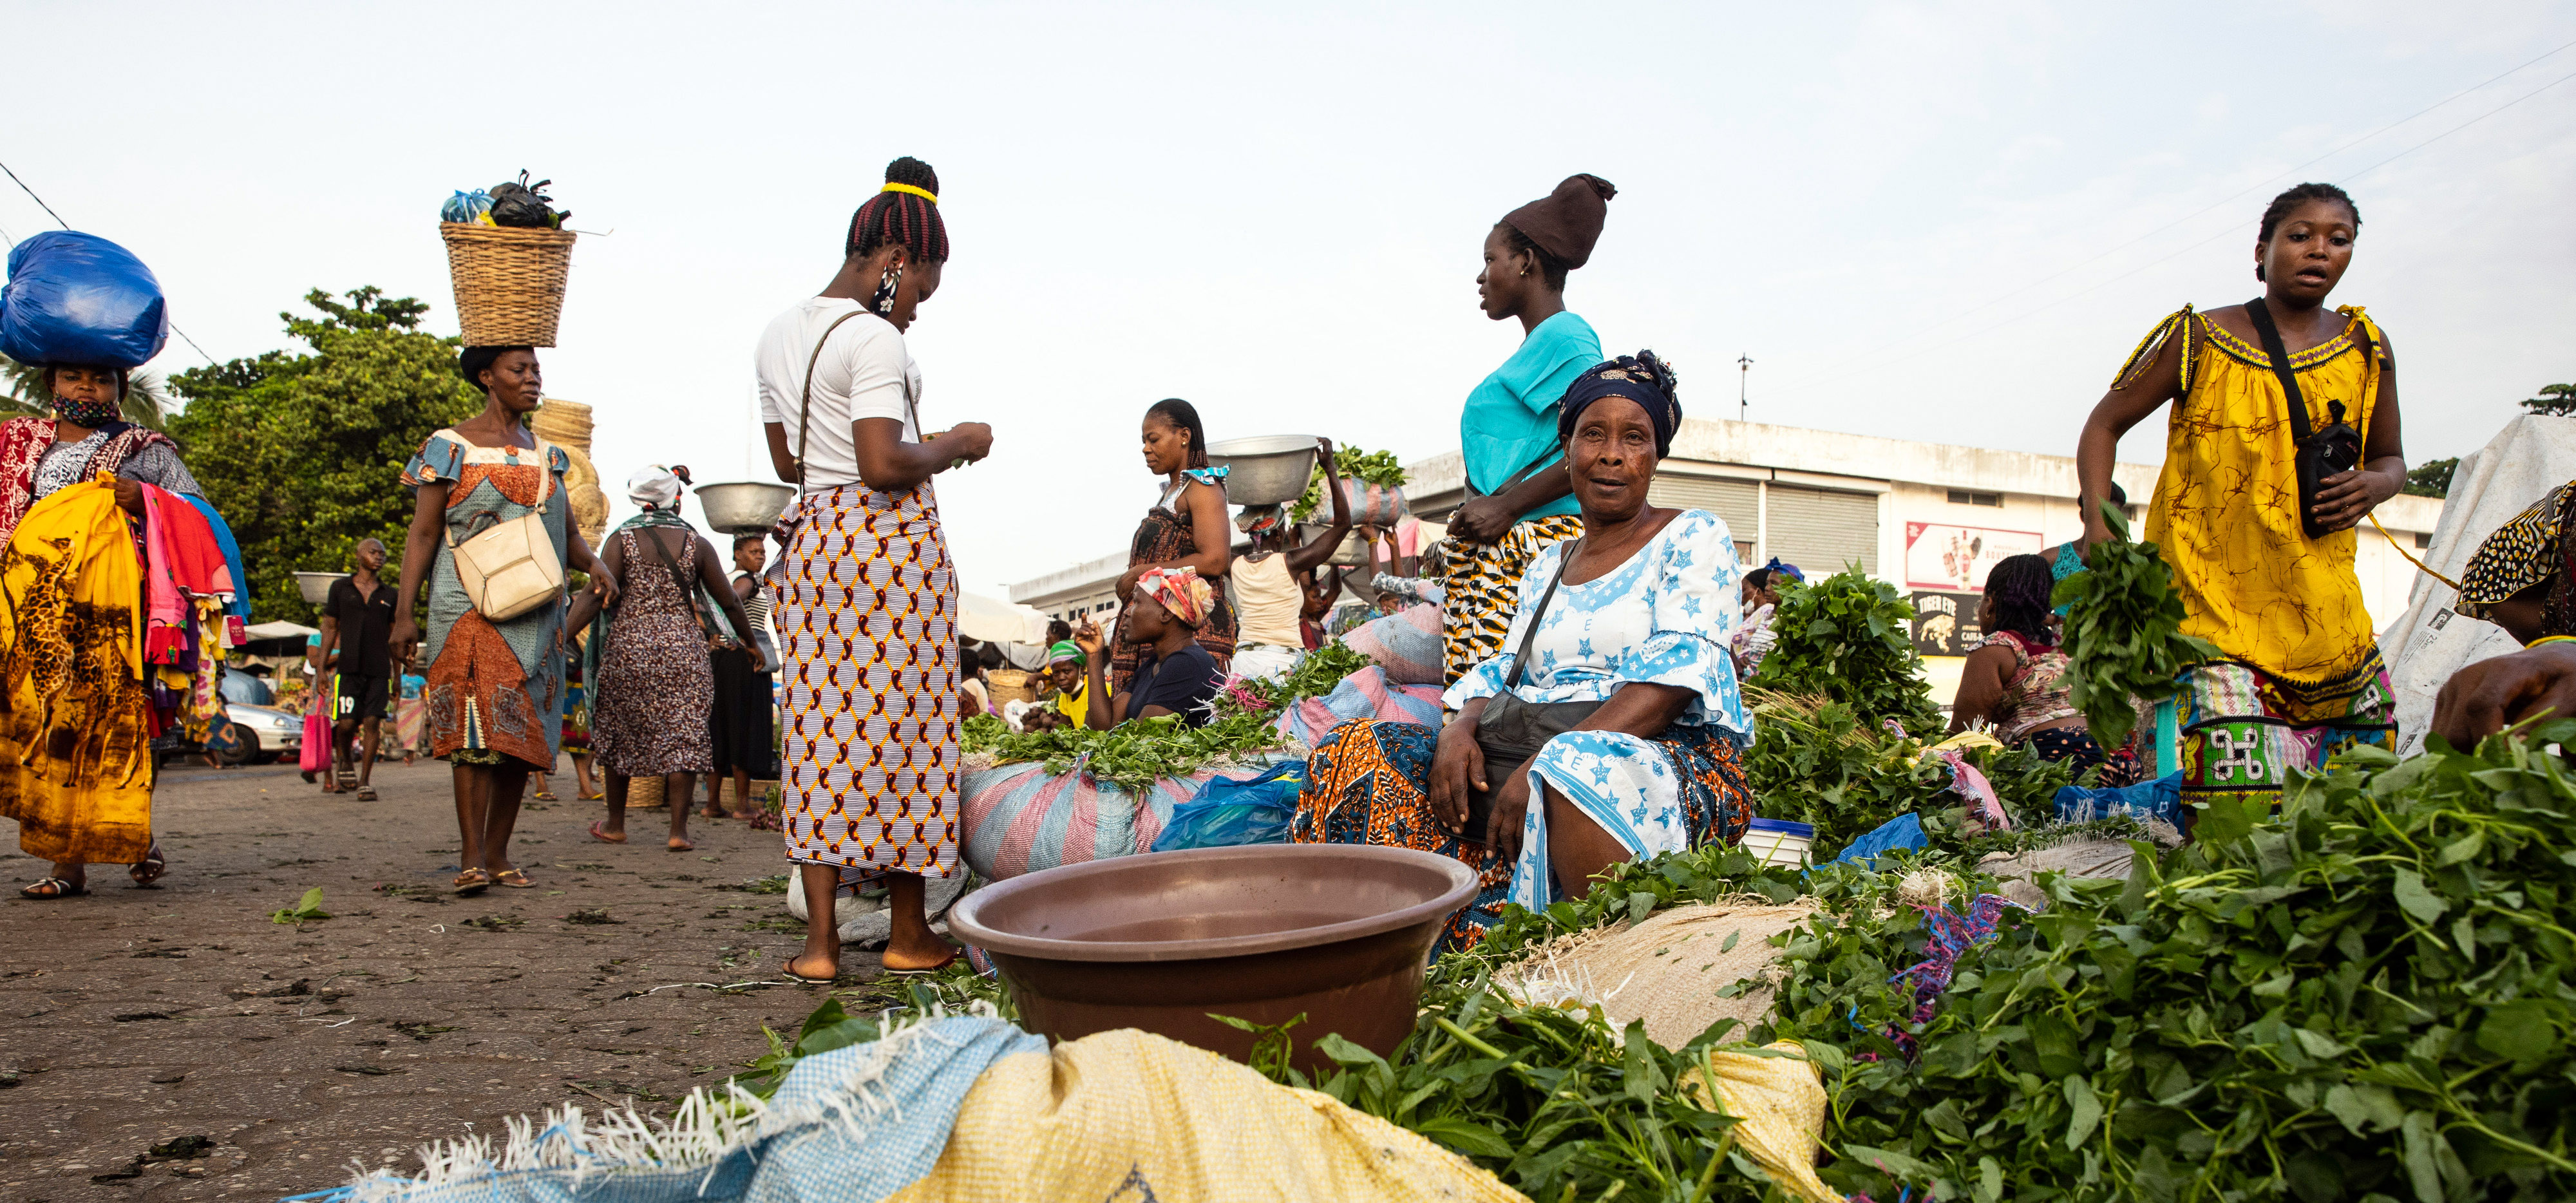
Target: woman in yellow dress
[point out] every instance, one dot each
(2265, 569)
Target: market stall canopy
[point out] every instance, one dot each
(277, 639)
(992, 620)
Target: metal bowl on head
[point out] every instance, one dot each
(1340, 933)
(744, 507)
(1268, 469)
(316, 586)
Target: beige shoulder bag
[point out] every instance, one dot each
(510, 568)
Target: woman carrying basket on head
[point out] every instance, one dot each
(866, 597)
(496, 685)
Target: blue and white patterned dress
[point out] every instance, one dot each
(1665, 617)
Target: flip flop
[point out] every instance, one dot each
(152, 861)
(604, 837)
(472, 882)
(513, 878)
(545, 795)
(45, 888)
(953, 954)
(366, 793)
(800, 978)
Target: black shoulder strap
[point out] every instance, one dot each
(2256, 312)
(1520, 658)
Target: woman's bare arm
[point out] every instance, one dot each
(1981, 685)
(2118, 410)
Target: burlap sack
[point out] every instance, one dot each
(1667, 970)
(2083, 858)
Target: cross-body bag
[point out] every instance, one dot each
(1512, 731)
(805, 402)
(2319, 454)
(711, 620)
(510, 568)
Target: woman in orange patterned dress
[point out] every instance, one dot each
(495, 689)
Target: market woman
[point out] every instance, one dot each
(2265, 570)
(1175, 673)
(495, 688)
(98, 808)
(2523, 578)
(656, 682)
(1268, 578)
(1633, 622)
(1185, 528)
(2016, 679)
(1520, 501)
(866, 596)
(745, 692)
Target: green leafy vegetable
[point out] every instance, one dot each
(308, 909)
(2123, 632)
(1378, 468)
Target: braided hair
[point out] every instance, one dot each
(901, 218)
(1550, 268)
(2020, 587)
(1184, 416)
(2288, 202)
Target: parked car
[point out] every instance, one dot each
(255, 735)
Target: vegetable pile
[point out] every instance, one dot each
(2123, 632)
(1378, 468)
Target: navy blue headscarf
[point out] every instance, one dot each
(1641, 378)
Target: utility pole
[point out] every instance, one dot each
(1744, 377)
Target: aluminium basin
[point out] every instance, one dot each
(1339, 932)
(1266, 469)
(744, 507)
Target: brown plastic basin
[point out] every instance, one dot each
(1339, 932)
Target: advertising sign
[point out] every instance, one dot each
(1945, 623)
(1940, 556)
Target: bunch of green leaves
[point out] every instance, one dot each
(1848, 638)
(1378, 468)
(1316, 674)
(1815, 761)
(2364, 997)
(981, 732)
(1135, 754)
(886, 1000)
(2123, 632)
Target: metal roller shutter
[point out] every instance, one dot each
(1737, 501)
(1822, 531)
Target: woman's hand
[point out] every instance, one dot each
(969, 441)
(2345, 498)
(1457, 769)
(604, 586)
(1087, 636)
(1127, 582)
(1482, 519)
(1511, 806)
(129, 496)
(405, 640)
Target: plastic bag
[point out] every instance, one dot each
(1371, 505)
(1227, 813)
(2157, 799)
(526, 206)
(79, 299)
(465, 207)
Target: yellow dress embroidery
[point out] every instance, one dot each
(75, 723)
(2226, 510)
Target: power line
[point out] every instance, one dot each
(2233, 230)
(58, 220)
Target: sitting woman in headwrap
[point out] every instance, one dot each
(1755, 638)
(2016, 679)
(2523, 578)
(1174, 675)
(1609, 728)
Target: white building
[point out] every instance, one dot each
(1930, 518)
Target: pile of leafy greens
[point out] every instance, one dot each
(2123, 632)
(1378, 468)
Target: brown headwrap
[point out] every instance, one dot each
(1565, 223)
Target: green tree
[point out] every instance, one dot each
(2555, 400)
(303, 453)
(22, 391)
(2431, 479)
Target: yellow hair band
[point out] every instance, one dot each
(923, 193)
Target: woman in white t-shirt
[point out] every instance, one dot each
(1267, 596)
(866, 598)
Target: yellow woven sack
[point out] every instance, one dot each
(1779, 1107)
(1128, 1116)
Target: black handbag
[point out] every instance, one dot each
(2322, 453)
(1511, 731)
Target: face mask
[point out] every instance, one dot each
(92, 414)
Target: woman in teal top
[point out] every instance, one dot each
(1520, 501)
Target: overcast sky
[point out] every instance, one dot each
(1933, 222)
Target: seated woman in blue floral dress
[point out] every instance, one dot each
(1631, 621)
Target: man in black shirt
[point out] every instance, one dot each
(357, 625)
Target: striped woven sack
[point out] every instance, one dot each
(1020, 820)
(1406, 644)
(1363, 694)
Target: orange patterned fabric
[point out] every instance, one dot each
(76, 766)
(867, 623)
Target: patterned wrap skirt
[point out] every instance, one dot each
(1483, 588)
(867, 623)
(1369, 782)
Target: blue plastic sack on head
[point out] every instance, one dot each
(1226, 813)
(80, 299)
(464, 207)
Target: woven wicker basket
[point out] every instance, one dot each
(1008, 685)
(509, 282)
(645, 793)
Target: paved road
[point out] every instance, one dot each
(134, 1017)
